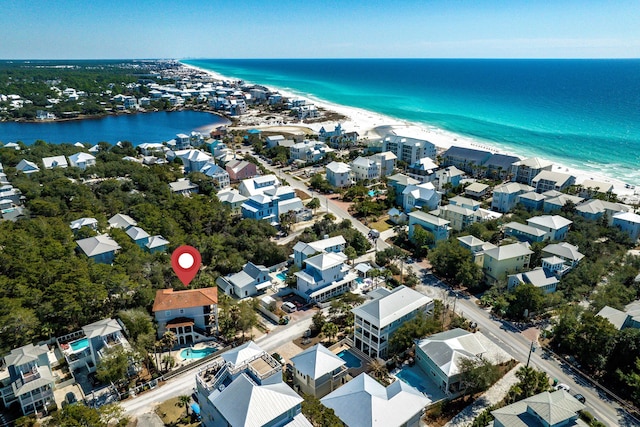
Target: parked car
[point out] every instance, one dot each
(562, 386)
(580, 398)
(70, 398)
(289, 307)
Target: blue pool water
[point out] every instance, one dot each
(191, 353)
(411, 378)
(359, 280)
(372, 193)
(351, 360)
(281, 276)
(79, 345)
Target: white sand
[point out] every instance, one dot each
(374, 125)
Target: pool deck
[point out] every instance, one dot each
(427, 386)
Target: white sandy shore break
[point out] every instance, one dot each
(373, 125)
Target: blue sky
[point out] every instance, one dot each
(67, 29)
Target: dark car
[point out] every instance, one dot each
(194, 396)
(70, 398)
(580, 398)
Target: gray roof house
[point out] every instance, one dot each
(101, 248)
(245, 388)
(84, 222)
(440, 356)
(302, 250)
(28, 379)
(544, 410)
(376, 320)
(121, 221)
(251, 280)
(364, 402)
(27, 167)
(317, 371)
(54, 162)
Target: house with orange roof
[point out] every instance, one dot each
(191, 314)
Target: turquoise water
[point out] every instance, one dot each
(372, 193)
(351, 360)
(410, 377)
(583, 114)
(79, 345)
(359, 280)
(135, 128)
(191, 353)
(281, 276)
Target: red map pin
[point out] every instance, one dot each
(185, 261)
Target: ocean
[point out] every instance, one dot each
(584, 114)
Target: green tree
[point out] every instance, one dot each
(379, 371)
(422, 240)
(318, 414)
(478, 374)
(329, 330)
(313, 204)
(524, 300)
(318, 321)
(113, 366)
(183, 402)
(137, 321)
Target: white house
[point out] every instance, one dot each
(629, 223)
(407, 149)
(364, 402)
(27, 167)
(249, 281)
(82, 160)
(440, 357)
(218, 174)
(339, 174)
(547, 180)
(324, 276)
(54, 162)
(317, 371)
(302, 250)
(245, 387)
(387, 162)
(365, 168)
(422, 196)
(375, 321)
(258, 185)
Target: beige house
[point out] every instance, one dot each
(504, 260)
(317, 371)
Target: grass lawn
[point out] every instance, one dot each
(382, 224)
(170, 413)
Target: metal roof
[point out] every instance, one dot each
(364, 402)
(317, 361)
(385, 310)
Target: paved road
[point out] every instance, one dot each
(517, 345)
(185, 382)
(502, 333)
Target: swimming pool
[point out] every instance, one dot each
(359, 280)
(199, 353)
(372, 193)
(282, 276)
(79, 345)
(410, 377)
(351, 360)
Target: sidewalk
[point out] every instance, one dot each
(495, 394)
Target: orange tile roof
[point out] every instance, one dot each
(168, 299)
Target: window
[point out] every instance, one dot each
(182, 311)
(167, 313)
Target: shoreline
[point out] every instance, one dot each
(370, 124)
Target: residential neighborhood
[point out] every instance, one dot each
(347, 281)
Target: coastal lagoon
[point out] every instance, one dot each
(580, 113)
(136, 128)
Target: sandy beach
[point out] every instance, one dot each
(371, 125)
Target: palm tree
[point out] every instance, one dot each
(379, 371)
(168, 340)
(183, 402)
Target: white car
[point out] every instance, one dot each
(562, 386)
